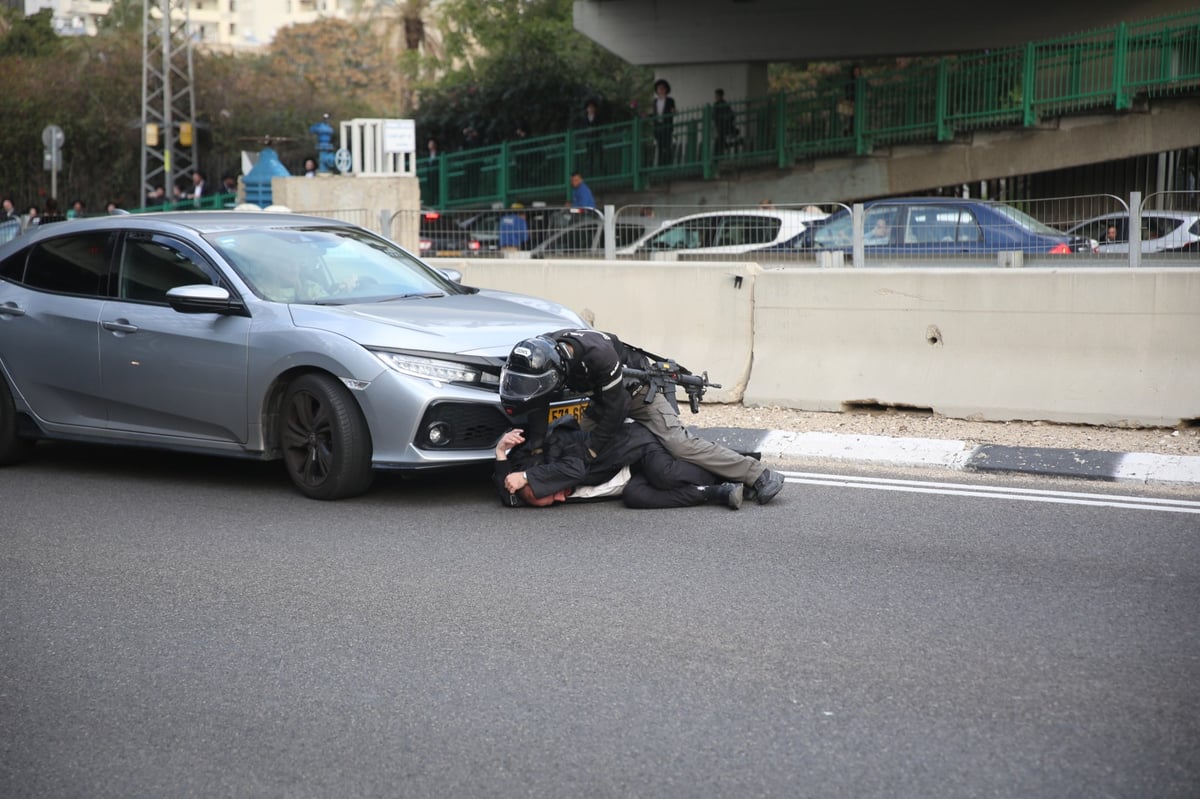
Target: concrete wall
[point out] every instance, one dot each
(372, 194)
(1104, 345)
(700, 314)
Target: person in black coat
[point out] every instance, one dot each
(662, 111)
(636, 465)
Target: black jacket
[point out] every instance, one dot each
(564, 461)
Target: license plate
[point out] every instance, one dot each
(573, 408)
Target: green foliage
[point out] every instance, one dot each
(520, 62)
(496, 65)
(29, 37)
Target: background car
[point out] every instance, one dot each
(1161, 231)
(441, 237)
(585, 239)
(723, 232)
(937, 226)
(542, 221)
(266, 336)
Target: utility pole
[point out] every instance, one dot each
(168, 97)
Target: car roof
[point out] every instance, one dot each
(1180, 215)
(794, 214)
(196, 221)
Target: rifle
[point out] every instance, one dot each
(661, 373)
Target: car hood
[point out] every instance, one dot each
(486, 323)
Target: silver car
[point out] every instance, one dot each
(257, 335)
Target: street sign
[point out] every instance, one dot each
(52, 137)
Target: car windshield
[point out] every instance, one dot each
(327, 265)
(1026, 221)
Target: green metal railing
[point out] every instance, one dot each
(213, 202)
(1104, 68)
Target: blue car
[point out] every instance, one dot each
(935, 226)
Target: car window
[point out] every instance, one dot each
(1098, 229)
(879, 225)
(151, 265)
(627, 234)
(75, 264)
(327, 265)
(688, 234)
(741, 230)
(837, 231)
(940, 224)
(1155, 227)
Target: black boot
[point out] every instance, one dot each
(725, 494)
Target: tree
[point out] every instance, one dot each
(510, 62)
(31, 37)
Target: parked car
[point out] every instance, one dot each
(542, 221)
(265, 336)
(441, 237)
(585, 239)
(938, 226)
(1161, 231)
(722, 232)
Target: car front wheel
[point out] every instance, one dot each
(13, 448)
(325, 441)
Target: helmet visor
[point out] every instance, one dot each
(518, 387)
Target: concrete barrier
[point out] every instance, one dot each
(700, 314)
(1092, 345)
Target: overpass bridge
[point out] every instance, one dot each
(1117, 92)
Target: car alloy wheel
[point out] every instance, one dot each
(325, 441)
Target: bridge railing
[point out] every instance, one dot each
(1090, 71)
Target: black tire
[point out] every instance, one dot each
(324, 437)
(13, 448)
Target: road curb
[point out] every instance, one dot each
(1138, 467)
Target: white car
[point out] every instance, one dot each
(719, 233)
(1162, 231)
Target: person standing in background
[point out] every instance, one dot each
(663, 113)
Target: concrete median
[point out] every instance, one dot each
(1092, 345)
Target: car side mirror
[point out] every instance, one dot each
(205, 298)
(452, 275)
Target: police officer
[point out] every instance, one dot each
(588, 361)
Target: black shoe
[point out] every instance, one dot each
(767, 486)
(728, 494)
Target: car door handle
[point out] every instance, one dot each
(10, 309)
(119, 326)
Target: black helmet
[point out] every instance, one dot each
(534, 371)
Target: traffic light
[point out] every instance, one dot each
(151, 134)
(185, 134)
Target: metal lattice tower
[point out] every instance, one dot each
(168, 99)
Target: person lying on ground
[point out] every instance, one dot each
(636, 466)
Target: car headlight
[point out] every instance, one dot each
(437, 371)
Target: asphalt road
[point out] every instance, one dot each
(174, 626)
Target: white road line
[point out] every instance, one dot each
(994, 492)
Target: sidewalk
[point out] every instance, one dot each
(783, 446)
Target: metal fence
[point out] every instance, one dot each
(1083, 230)
(1104, 68)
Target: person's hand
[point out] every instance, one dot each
(515, 482)
(509, 440)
